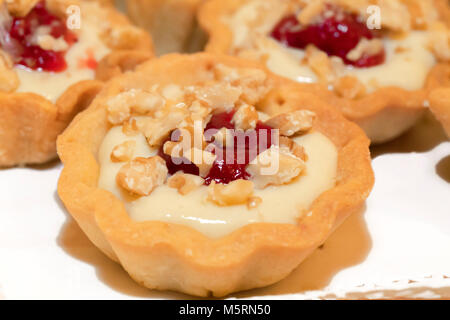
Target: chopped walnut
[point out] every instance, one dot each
(293, 148)
(365, 47)
(9, 81)
(394, 15)
(142, 175)
(349, 87)
(21, 7)
(173, 92)
(312, 12)
(252, 81)
(320, 63)
(157, 129)
(234, 193)
(201, 158)
(440, 41)
(123, 152)
(253, 202)
(200, 111)
(46, 41)
(134, 100)
(224, 137)
(184, 183)
(245, 117)
(130, 127)
(292, 122)
(220, 96)
(275, 166)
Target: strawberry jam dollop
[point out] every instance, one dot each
(336, 35)
(231, 162)
(29, 54)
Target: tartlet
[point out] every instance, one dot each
(119, 183)
(172, 23)
(50, 72)
(325, 44)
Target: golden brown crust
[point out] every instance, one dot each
(164, 256)
(171, 22)
(29, 123)
(384, 114)
(440, 106)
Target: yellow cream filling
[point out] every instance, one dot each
(280, 204)
(52, 84)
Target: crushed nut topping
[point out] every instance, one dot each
(46, 41)
(9, 81)
(184, 183)
(245, 117)
(139, 101)
(293, 147)
(201, 158)
(326, 68)
(123, 152)
(263, 175)
(349, 87)
(365, 47)
(157, 129)
(292, 122)
(234, 193)
(142, 175)
(220, 96)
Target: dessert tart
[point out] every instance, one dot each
(374, 60)
(206, 174)
(440, 106)
(172, 23)
(54, 55)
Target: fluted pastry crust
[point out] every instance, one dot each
(169, 256)
(384, 114)
(30, 124)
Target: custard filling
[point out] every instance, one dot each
(280, 204)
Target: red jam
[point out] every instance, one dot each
(31, 55)
(336, 35)
(230, 164)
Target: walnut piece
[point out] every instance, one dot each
(349, 87)
(292, 122)
(142, 175)
(134, 100)
(275, 166)
(245, 117)
(184, 183)
(234, 193)
(220, 96)
(293, 147)
(201, 158)
(311, 13)
(9, 81)
(123, 152)
(322, 65)
(365, 47)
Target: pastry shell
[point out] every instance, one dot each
(167, 256)
(383, 114)
(172, 23)
(30, 124)
(440, 106)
